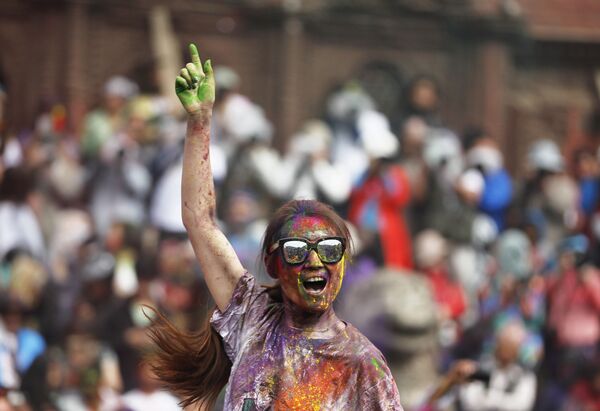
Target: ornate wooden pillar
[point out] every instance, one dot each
(293, 77)
(77, 21)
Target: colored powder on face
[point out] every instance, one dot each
(311, 228)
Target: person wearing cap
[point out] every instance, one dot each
(378, 199)
(549, 200)
(574, 308)
(543, 160)
(102, 124)
(484, 155)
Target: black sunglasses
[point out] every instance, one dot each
(295, 250)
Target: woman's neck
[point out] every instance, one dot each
(316, 325)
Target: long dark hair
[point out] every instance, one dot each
(194, 365)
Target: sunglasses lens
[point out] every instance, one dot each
(330, 250)
(294, 251)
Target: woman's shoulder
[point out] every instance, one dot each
(377, 387)
(358, 346)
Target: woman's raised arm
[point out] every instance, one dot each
(195, 87)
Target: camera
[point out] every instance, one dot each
(481, 375)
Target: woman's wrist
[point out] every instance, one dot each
(201, 117)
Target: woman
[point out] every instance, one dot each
(279, 348)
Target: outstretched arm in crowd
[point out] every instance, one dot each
(195, 87)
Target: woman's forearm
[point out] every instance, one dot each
(197, 188)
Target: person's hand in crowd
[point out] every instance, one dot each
(461, 371)
(195, 85)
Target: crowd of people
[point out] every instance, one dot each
(482, 291)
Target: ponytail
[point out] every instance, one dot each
(193, 366)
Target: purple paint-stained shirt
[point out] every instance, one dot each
(278, 368)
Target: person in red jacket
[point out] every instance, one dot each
(380, 196)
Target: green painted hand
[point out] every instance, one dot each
(195, 85)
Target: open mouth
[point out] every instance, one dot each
(314, 285)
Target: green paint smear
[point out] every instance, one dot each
(201, 93)
(378, 367)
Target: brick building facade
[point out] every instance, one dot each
(519, 68)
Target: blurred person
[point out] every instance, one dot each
(148, 395)
(484, 154)
(27, 280)
(20, 225)
(412, 142)
(11, 153)
(342, 109)
(471, 267)
(516, 293)
(587, 172)
(507, 292)
(378, 199)
(444, 161)
(13, 400)
(87, 377)
(102, 124)
(497, 384)
(244, 227)
(574, 309)
(548, 199)
(584, 394)
(455, 193)
(183, 296)
(71, 228)
(118, 180)
(431, 258)
(396, 309)
(20, 345)
(422, 98)
(97, 307)
(123, 241)
(314, 175)
(241, 121)
(253, 164)
(66, 177)
(286, 346)
(227, 87)
(543, 160)
(119, 191)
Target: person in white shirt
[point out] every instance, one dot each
(500, 384)
(148, 397)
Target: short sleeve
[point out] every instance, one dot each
(381, 392)
(246, 308)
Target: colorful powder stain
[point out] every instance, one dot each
(312, 390)
(378, 367)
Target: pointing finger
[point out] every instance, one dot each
(195, 55)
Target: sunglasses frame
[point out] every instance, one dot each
(312, 245)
